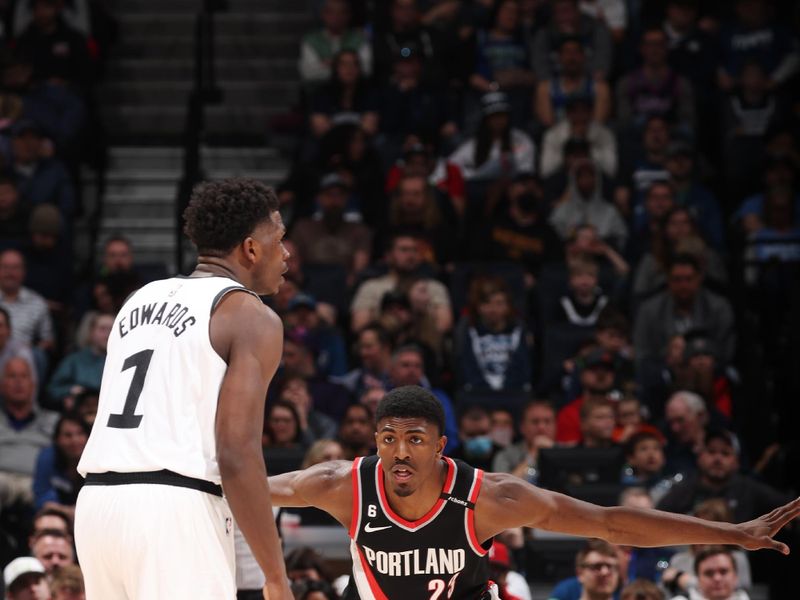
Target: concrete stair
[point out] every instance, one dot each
(143, 104)
(142, 186)
(150, 74)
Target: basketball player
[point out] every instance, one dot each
(421, 524)
(181, 412)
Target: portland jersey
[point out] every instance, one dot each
(437, 557)
(158, 397)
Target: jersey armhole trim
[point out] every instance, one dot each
(225, 291)
(469, 515)
(355, 517)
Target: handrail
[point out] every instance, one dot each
(204, 91)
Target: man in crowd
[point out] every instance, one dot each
(718, 477)
(355, 431)
(9, 347)
(404, 260)
(28, 310)
(374, 348)
(687, 418)
(684, 306)
(538, 429)
(24, 431)
(25, 579)
(53, 549)
(408, 368)
(477, 447)
(717, 578)
(319, 47)
(597, 573)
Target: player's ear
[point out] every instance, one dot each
(440, 445)
(251, 249)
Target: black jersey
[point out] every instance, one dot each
(437, 557)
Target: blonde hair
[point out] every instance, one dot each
(68, 578)
(316, 453)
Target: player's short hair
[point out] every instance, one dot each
(221, 214)
(411, 401)
(707, 552)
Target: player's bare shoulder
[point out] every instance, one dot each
(241, 317)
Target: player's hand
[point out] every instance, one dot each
(759, 532)
(277, 591)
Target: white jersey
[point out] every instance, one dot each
(158, 398)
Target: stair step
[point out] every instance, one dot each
(177, 93)
(152, 226)
(242, 69)
(123, 8)
(279, 45)
(170, 121)
(225, 24)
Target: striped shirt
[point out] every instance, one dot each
(30, 318)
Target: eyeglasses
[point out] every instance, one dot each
(597, 567)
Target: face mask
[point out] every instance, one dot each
(478, 446)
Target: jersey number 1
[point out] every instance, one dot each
(128, 420)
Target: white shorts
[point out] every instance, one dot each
(154, 542)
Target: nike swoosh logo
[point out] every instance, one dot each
(369, 529)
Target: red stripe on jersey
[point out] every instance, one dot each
(373, 585)
(355, 517)
(447, 488)
(473, 497)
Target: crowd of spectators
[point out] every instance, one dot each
(576, 222)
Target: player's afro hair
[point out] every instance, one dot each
(411, 401)
(221, 214)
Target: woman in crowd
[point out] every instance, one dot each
(492, 344)
(56, 480)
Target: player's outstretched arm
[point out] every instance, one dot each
(511, 502)
(249, 337)
(327, 486)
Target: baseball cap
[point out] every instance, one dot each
(302, 300)
(494, 102)
(598, 358)
(332, 180)
(726, 436)
(698, 346)
(19, 567)
(499, 556)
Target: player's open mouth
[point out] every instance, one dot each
(401, 474)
